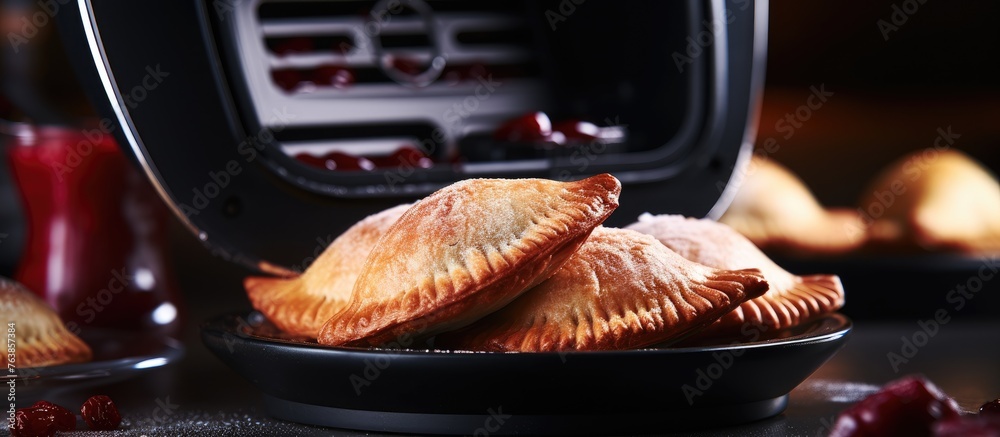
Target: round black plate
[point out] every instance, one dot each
(118, 355)
(910, 287)
(445, 392)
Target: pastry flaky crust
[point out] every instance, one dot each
(942, 200)
(621, 290)
(790, 300)
(40, 337)
(300, 304)
(774, 209)
(465, 251)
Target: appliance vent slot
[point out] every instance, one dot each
(321, 62)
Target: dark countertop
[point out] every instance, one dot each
(200, 396)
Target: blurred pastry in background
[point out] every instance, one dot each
(465, 251)
(775, 210)
(621, 290)
(935, 200)
(301, 304)
(39, 337)
(790, 299)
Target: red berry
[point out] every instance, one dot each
(404, 156)
(286, 79)
(991, 408)
(100, 413)
(578, 131)
(969, 426)
(343, 161)
(287, 46)
(529, 128)
(407, 65)
(42, 419)
(907, 406)
(314, 161)
(333, 76)
(336, 161)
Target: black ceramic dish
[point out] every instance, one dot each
(442, 392)
(118, 355)
(910, 287)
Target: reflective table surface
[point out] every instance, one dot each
(200, 396)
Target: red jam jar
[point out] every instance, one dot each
(96, 243)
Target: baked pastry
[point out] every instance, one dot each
(300, 304)
(621, 290)
(774, 209)
(790, 300)
(466, 251)
(941, 201)
(40, 337)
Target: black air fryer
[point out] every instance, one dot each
(272, 126)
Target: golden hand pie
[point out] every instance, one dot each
(301, 304)
(40, 337)
(465, 251)
(621, 290)
(935, 200)
(774, 209)
(789, 301)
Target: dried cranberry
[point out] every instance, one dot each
(42, 419)
(578, 131)
(311, 160)
(407, 65)
(287, 46)
(529, 128)
(969, 426)
(333, 76)
(287, 79)
(343, 161)
(405, 156)
(991, 408)
(336, 161)
(100, 413)
(907, 406)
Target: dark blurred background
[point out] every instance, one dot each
(890, 95)
(936, 69)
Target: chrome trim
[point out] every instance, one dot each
(89, 23)
(757, 72)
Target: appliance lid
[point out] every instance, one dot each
(272, 126)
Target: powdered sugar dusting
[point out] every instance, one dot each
(713, 244)
(455, 235)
